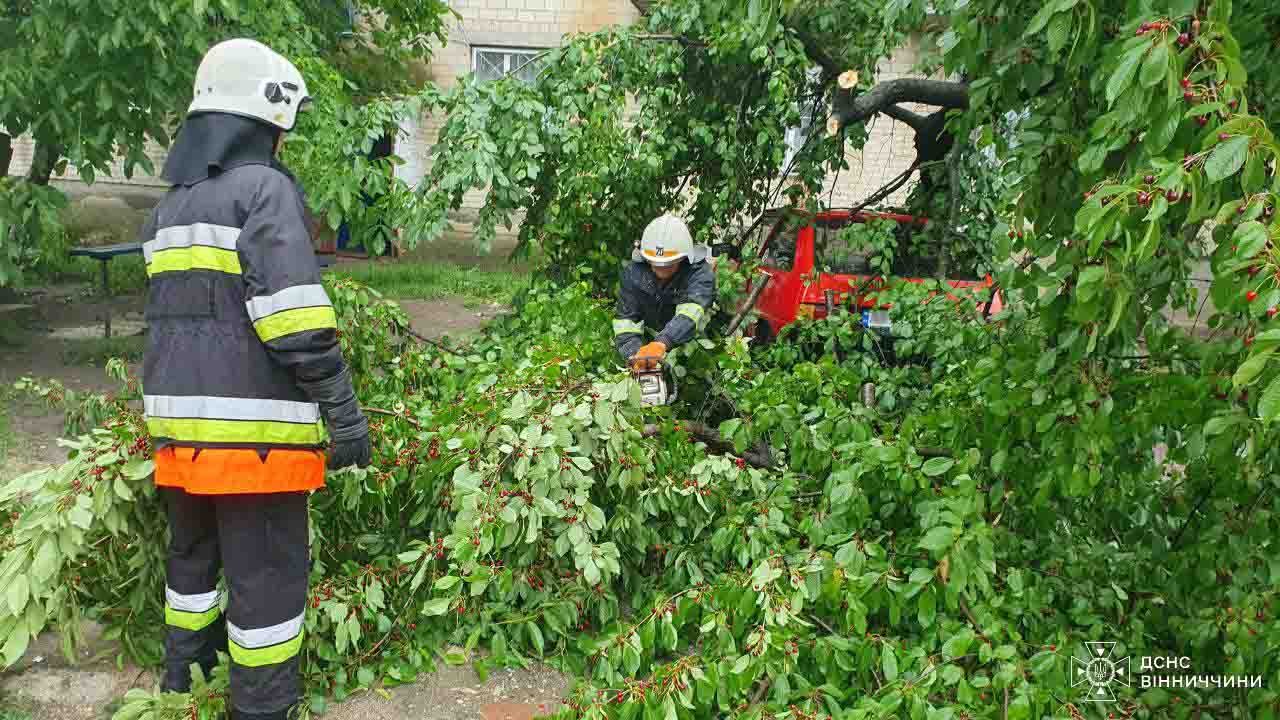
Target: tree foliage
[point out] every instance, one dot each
(92, 81)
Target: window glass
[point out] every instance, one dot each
(495, 63)
(837, 252)
(780, 250)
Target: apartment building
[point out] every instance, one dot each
(495, 37)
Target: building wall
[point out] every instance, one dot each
(537, 24)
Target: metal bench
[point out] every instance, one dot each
(104, 254)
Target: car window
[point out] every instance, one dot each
(834, 253)
(780, 247)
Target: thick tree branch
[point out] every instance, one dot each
(6, 153)
(819, 55)
(850, 108)
(758, 456)
(908, 118)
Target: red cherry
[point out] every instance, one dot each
(1188, 95)
(1271, 311)
(1150, 179)
(1224, 136)
(1253, 270)
(1172, 196)
(1012, 234)
(1248, 341)
(1184, 39)
(1201, 120)
(1186, 82)
(1251, 296)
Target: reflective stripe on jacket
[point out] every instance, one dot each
(675, 312)
(236, 315)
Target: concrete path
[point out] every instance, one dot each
(45, 686)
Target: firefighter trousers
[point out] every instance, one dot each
(259, 542)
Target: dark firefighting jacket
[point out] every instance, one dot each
(675, 312)
(238, 321)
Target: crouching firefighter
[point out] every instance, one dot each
(667, 288)
(242, 372)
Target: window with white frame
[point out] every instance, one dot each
(797, 136)
(492, 63)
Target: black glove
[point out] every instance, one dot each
(348, 428)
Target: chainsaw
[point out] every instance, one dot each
(657, 384)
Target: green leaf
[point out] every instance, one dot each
(1249, 238)
(1060, 31)
(535, 637)
(1249, 369)
(46, 561)
(138, 469)
(937, 466)
(446, 582)
(1040, 20)
(1119, 302)
(16, 645)
(958, 644)
(888, 662)
(938, 538)
(439, 606)
(1156, 65)
(1019, 708)
(1227, 158)
(1255, 173)
(1269, 405)
(1124, 73)
(928, 610)
(17, 594)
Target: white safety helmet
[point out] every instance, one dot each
(667, 241)
(244, 77)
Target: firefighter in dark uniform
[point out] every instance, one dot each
(668, 288)
(242, 375)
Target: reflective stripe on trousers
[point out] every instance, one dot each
(259, 544)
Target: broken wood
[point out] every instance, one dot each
(759, 456)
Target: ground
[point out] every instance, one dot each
(53, 331)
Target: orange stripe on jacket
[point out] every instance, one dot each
(235, 471)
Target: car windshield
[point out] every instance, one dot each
(840, 246)
(780, 245)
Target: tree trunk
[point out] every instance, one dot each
(6, 153)
(43, 161)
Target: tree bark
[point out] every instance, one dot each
(43, 161)
(6, 153)
(759, 456)
(850, 108)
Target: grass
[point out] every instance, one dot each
(405, 279)
(95, 352)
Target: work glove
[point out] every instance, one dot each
(348, 427)
(648, 357)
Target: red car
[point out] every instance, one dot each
(797, 245)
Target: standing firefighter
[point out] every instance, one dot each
(668, 287)
(241, 373)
